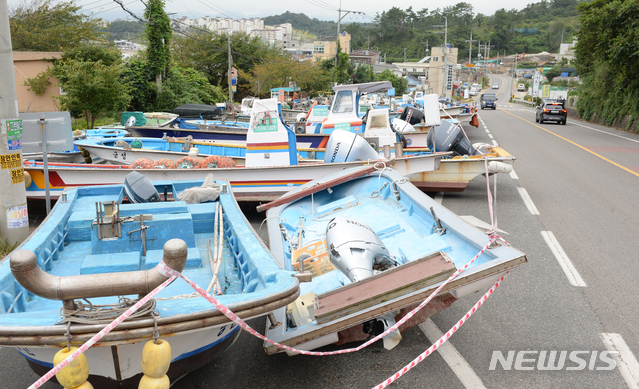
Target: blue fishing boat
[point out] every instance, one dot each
(376, 247)
(123, 151)
(96, 253)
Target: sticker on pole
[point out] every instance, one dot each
(17, 175)
(17, 216)
(10, 161)
(14, 134)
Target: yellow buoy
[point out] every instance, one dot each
(77, 133)
(27, 179)
(156, 358)
(154, 383)
(75, 373)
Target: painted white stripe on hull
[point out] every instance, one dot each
(453, 358)
(626, 361)
(569, 269)
(528, 201)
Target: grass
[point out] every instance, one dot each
(6, 247)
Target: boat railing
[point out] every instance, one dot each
(25, 269)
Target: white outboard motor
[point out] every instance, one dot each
(130, 122)
(346, 146)
(354, 248)
(402, 126)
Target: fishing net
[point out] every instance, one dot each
(136, 144)
(165, 163)
(142, 163)
(188, 163)
(215, 161)
(120, 143)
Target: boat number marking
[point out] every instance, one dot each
(221, 331)
(122, 154)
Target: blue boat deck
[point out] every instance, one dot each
(405, 228)
(67, 244)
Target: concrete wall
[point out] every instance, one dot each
(28, 64)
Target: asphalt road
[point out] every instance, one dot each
(581, 179)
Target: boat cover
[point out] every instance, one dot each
(199, 111)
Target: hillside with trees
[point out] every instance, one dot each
(539, 27)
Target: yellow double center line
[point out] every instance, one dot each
(578, 145)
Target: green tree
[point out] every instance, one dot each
(399, 83)
(208, 53)
(92, 88)
(43, 25)
(279, 69)
(607, 58)
(158, 37)
(553, 72)
(363, 73)
(187, 86)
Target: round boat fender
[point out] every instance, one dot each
(300, 128)
(27, 179)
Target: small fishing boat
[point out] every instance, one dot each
(124, 151)
(96, 253)
(376, 247)
(271, 168)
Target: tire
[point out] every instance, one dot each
(494, 108)
(541, 121)
(536, 119)
(563, 122)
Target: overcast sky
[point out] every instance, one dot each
(320, 9)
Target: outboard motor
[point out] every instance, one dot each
(346, 146)
(412, 115)
(355, 249)
(401, 126)
(139, 189)
(130, 122)
(449, 137)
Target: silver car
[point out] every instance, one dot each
(495, 86)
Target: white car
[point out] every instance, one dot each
(495, 86)
(521, 88)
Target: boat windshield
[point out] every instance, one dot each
(343, 102)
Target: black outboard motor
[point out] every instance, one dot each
(139, 189)
(412, 115)
(449, 137)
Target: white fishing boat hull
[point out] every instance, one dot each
(110, 365)
(247, 184)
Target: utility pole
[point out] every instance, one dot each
(470, 46)
(230, 69)
(339, 19)
(14, 219)
(426, 43)
(513, 77)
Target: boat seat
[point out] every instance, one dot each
(153, 257)
(203, 217)
(111, 263)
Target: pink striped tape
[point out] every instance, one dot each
(441, 340)
(167, 271)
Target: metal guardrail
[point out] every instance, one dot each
(520, 101)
